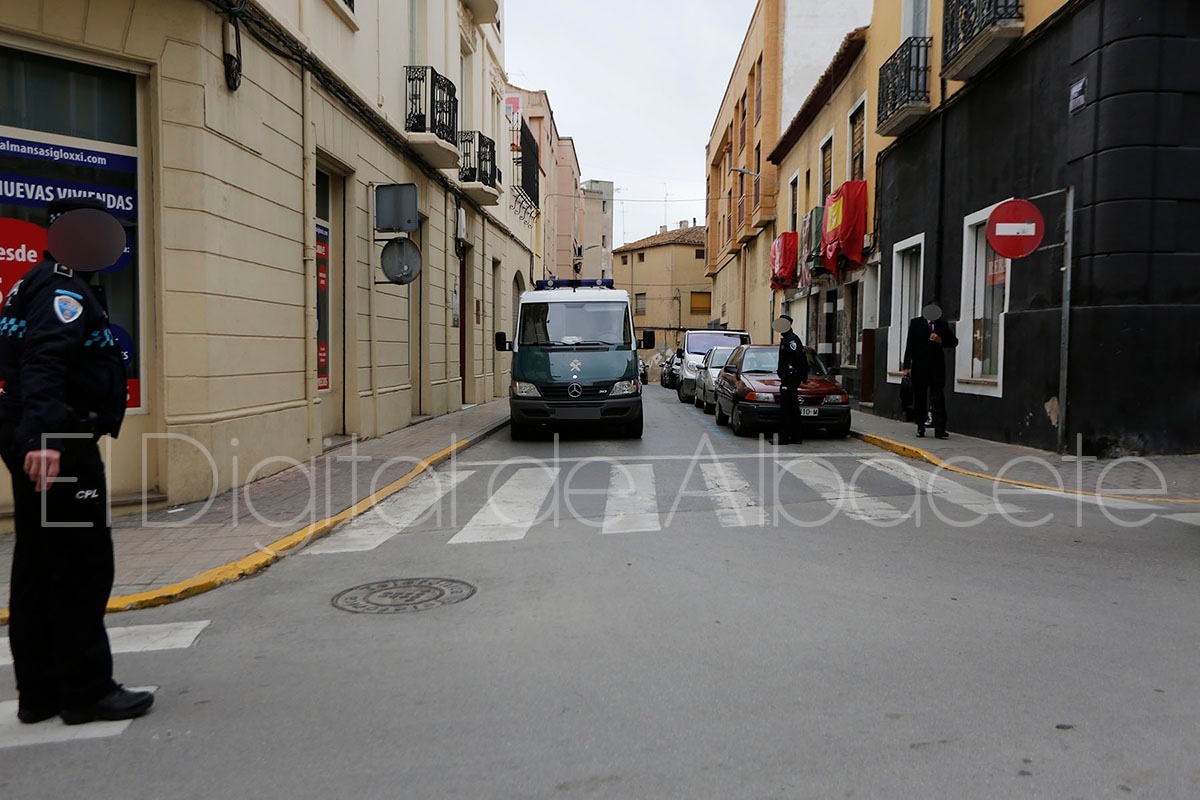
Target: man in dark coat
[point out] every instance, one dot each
(924, 359)
(793, 371)
(64, 387)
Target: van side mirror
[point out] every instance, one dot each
(647, 340)
(502, 341)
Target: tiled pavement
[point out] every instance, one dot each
(180, 542)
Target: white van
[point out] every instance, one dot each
(695, 344)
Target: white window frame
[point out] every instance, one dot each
(906, 19)
(898, 330)
(964, 383)
(861, 102)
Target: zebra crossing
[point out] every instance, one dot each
(508, 501)
(127, 639)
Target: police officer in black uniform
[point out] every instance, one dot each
(793, 371)
(64, 387)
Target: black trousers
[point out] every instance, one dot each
(789, 412)
(62, 575)
(929, 397)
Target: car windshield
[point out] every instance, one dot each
(815, 365)
(570, 324)
(761, 361)
(719, 356)
(700, 343)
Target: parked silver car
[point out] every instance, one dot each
(706, 377)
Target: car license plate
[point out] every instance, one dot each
(809, 412)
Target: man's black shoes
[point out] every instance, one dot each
(941, 435)
(920, 433)
(33, 714)
(118, 704)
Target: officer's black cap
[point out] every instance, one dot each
(785, 316)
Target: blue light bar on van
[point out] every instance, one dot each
(575, 283)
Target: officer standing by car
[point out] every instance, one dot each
(793, 371)
(64, 387)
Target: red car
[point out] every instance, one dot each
(747, 391)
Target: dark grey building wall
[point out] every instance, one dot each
(1133, 154)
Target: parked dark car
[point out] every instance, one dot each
(747, 392)
(667, 376)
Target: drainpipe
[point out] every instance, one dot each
(310, 264)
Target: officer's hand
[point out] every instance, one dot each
(906, 371)
(42, 467)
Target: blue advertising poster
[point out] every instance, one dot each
(34, 172)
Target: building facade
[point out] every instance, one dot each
(824, 147)
(786, 47)
(1090, 110)
(245, 142)
(597, 229)
(665, 277)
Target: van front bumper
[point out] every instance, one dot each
(537, 411)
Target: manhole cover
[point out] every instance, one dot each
(402, 595)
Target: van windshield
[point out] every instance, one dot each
(700, 342)
(571, 324)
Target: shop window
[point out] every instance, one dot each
(907, 274)
(984, 298)
(69, 130)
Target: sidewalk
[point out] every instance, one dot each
(1162, 479)
(180, 551)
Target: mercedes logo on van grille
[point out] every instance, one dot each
(575, 390)
(402, 595)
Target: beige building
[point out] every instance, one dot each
(664, 275)
(246, 146)
(559, 225)
(829, 142)
(597, 229)
(783, 53)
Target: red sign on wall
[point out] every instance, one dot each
(1015, 228)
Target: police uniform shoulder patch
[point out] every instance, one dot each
(792, 345)
(67, 308)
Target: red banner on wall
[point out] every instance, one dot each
(845, 225)
(784, 255)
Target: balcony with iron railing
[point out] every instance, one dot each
(904, 87)
(431, 116)
(477, 170)
(976, 32)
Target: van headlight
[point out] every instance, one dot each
(522, 389)
(622, 388)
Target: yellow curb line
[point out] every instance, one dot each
(918, 454)
(268, 555)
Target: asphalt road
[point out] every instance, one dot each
(691, 615)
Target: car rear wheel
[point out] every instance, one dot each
(709, 407)
(722, 418)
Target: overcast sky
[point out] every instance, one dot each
(637, 84)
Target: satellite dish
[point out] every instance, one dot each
(401, 261)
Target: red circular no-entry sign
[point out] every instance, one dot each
(1015, 228)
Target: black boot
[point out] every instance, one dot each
(120, 703)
